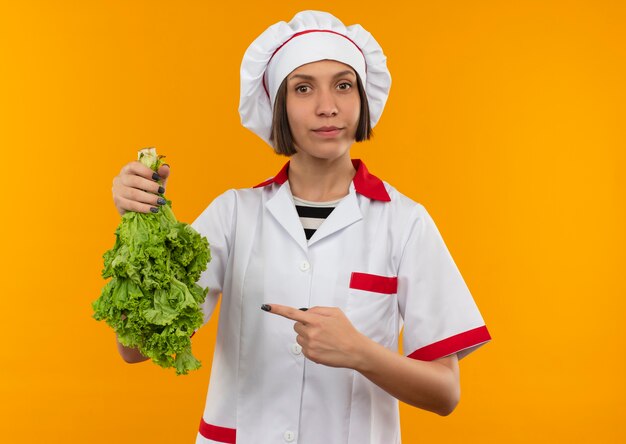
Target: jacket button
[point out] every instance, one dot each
(304, 265)
(289, 436)
(296, 349)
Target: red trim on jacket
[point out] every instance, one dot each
(279, 178)
(452, 344)
(374, 282)
(365, 183)
(216, 433)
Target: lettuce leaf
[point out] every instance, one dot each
(153, 301)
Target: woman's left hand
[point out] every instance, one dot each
(326, 335)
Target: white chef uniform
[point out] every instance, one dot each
(378, 256)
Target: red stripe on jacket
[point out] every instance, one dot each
(452, 344)
(217, 433)
(374, 282)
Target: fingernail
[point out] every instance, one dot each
(166, 164)
(303, 309)
(161, 201)
(161, 190)
(154, 209)
(266, 307)
(155, 176)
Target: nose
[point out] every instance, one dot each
(326, 105)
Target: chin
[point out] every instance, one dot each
(326, 155)
(327, 151)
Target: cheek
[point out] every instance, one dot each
(356, 116)
(296, 120)
(353, 108)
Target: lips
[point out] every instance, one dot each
(326, 129)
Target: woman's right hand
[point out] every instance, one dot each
(136, 189)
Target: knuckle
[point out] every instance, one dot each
(135, 169)
(140, 183)
(132, 181)
(129, 167)
(287, 312)
(125, 179)
(312, 355)
(140, 196)
(316, 323)
(140, 208)
(133, 194)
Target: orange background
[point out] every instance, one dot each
(505, 119)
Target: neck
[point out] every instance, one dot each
(320, 180)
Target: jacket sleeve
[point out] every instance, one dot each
(439, 313)
(216, 223)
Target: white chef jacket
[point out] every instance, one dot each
(378, 257)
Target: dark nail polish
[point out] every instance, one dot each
(303, 309)
(161, 190)
(154, 209)
(155, 176)
(266, 307)
(161, 201)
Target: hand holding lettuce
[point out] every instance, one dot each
(152, 301)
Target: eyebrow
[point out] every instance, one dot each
(308, 77)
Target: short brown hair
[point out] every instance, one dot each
(281, 132)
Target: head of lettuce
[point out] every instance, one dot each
(153, 301)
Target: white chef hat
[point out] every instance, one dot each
(310, 36)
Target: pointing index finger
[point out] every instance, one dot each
(288, 312)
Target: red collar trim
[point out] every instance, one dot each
(364, 183)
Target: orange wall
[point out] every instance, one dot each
(505, 119)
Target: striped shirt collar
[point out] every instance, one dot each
(365, 183)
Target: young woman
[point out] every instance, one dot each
(321, 266)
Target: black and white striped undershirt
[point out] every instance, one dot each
(312, 214)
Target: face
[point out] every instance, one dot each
(323, 108)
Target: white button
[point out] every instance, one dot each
(289, 436)
(296, 349)
(304, 265)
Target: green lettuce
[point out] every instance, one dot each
(152, 301)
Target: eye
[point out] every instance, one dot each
(303, 89)
(345, 86)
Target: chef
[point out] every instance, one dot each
(321, 266)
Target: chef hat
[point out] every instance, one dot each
(310, 36)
